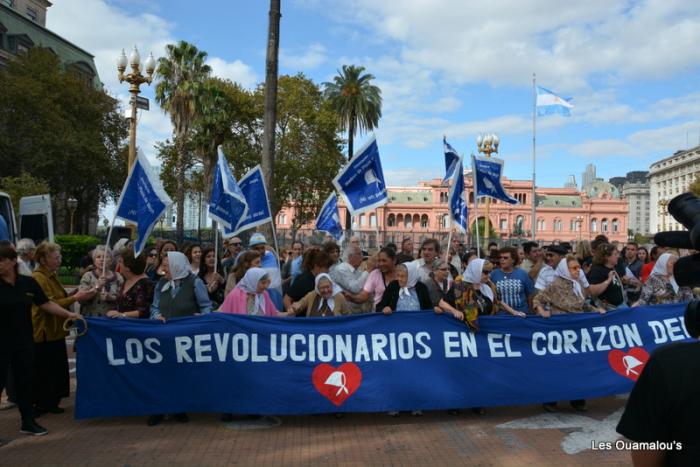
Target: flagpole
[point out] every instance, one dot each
(449, 241)
(215, 225)
(109, 235)
(533, 224)
(476, 209)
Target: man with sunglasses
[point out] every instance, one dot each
(513, 284)
(235, 246)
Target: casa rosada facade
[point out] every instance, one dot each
(563, 214)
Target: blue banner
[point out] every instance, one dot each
(253, 187)
(361, 182)
(328, 219)
(362, 363)
(452, 159)
(227, 204)
(143, 200)
(487, 179)
(458, 205)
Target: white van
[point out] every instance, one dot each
(35, 218)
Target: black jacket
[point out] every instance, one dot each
(391, 296)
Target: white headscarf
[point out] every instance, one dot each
(249, 284)
(472, 275)
(660, 269)
(413, 276)
(336, 290)
(562, 271)
(179, 267)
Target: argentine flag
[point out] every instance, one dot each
(549, 103)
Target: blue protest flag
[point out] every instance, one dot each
(227, 204)
(412, 360)
(143, 200)
(252, 186)
(361, 182)
(487, 179)
(549, 103)
(458, 206)
(328, 219)
(452, 159)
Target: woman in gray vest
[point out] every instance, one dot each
(179, 293)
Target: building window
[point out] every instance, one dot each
(594, 225)
(503, 224)
(391, 221)
(443, 197)
(604, 225)
(615, 225)
(372, 220)
(407, 221)
(572, 225)
(363, 220)
(424, 221)
(31, 14)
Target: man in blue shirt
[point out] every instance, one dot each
(513, 284)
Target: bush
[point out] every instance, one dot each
(74, 247)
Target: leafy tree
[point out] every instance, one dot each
(23, 185)
(695, 186)
(357, 102)
(55, 128)
(181, 74)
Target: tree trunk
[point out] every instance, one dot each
(270, 117)
(180, 224)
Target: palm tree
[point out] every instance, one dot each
(356, 100)
(181, 74)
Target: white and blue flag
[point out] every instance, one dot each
(487, 179)
(252, 186)
(361, 182)
(452, 159)
(227, 204)
(549, 103)
(142, 201)
(328, 219)
(456, 201)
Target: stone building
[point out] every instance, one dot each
(669, 177)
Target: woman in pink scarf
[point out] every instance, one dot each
(250, 296)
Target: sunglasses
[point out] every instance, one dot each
(152, 255)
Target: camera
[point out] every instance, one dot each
(685, 208)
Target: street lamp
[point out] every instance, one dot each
(135, 79)
(663, 204)
(579, 221)
(487, 144)
(72, 206)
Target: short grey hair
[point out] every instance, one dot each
(25, 246)
(352, 250)
(101, 249)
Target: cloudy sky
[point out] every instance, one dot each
(446, 67)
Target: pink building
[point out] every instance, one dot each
(564, 214)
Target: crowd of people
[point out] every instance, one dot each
(169, 281)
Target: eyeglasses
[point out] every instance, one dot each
(152, 255)
(235, 244)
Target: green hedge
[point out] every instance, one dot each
(74, 247)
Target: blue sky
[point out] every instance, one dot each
(447, 67)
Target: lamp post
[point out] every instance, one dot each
(663, 204)
(135, 79)
(579, 221)
(72, 206)
(487, 144)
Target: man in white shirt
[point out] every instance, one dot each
(429, 251)
(554, 254)
(351, 279)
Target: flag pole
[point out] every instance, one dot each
(449, 242)
(533, 224)
(109, 235)
(476, 209)
(215, 225)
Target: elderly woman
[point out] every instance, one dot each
(136, 294)
(178, 293)
(314, 263)
(212, 279)
(250, 296)
(25, 256)
(441, 289)
(247, 260)
(406, 293)
(325, 300)
(564, 295)
(104, 280)
(51, 379)
(661, 286)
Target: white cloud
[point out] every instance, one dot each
(407, 177)
(236, 71)
(311, 58)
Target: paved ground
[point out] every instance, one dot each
(509, 436)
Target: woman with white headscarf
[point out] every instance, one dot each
(179, 292)
(325, 300)
(661, 286)
(406, 293)
(250, 296)
(565, 293)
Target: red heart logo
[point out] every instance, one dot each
(337, 384)
(630, 364)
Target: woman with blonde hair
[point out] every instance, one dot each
(107, 284)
